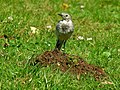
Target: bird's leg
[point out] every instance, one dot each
(64, 46)
(58, 44)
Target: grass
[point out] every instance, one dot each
(99, 20)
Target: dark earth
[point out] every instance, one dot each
(70, 63)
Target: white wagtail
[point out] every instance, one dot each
(64, 30)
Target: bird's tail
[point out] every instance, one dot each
(59, 44)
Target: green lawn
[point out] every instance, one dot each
(98, 20)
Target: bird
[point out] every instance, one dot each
(64, 30)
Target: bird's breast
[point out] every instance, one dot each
(64, 27)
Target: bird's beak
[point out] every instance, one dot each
(60, 14)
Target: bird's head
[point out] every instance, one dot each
(65, 16)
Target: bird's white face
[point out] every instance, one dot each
(65, 16)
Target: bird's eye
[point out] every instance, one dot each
(66, 15)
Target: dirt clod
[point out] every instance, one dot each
(71, 63)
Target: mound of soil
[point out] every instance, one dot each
(70, 63)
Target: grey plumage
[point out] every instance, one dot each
(64, 30)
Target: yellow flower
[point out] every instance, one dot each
(65, 6)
